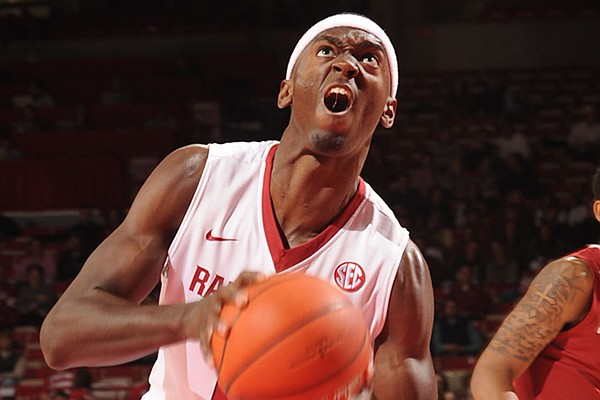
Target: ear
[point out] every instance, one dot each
(596, 208)
(284, 99)
(389, 113)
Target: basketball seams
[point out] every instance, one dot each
(340, 370)
(225, 341)
(259, 290)
(283, 334)
(336, 382)
(341, 304)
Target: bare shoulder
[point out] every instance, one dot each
(413, 263)
(569, 275)
(562, 290)
(411, 300)
(184, 162)
(559, 295)
(564, 287)
(168, 190)
(412, 278)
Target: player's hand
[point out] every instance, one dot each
(365, 394)
(366, 388)
(204, 317)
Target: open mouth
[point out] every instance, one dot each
(337, 99)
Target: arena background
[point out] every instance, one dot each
(478, 166)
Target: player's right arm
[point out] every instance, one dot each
(99, 320)
(403, 364)
(560, 294)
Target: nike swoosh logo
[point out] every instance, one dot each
(210, 237)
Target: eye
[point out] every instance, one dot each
(325, 51)
(370, 59)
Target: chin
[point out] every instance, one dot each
(328, 142)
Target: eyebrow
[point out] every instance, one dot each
(368, 44)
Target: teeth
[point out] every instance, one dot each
(339, 90)
(338, 99)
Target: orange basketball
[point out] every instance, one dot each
(299, 338)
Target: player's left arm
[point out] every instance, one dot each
(559, 296)
(403, 364)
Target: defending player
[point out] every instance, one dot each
(547, 347)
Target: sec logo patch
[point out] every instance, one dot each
(349, 276)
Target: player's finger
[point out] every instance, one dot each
(205, 347)
(235, 292)
(365, 394)
(246, 278)
(212, 323)
(232, 294)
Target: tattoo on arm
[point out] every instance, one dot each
(539, 316)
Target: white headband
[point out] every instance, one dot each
(351, 21)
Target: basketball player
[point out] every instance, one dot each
(547, 347)
(209, 214)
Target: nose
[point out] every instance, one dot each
(346, 65)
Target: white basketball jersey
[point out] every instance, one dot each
(230, 227)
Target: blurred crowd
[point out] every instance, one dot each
(488, 170)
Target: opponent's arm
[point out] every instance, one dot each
(403, 365)
(98, 319)
(560, 294)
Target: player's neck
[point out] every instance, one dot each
(307, 194)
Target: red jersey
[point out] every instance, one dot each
(569, 367)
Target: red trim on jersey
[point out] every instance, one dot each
(284, 258)
(219, 395)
